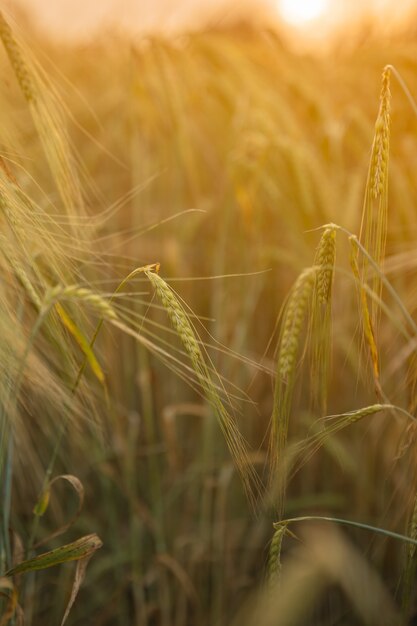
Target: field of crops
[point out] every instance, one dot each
(208, 330)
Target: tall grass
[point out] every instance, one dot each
(276, 356)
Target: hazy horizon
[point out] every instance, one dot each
(79, 19)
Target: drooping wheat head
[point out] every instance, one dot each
(274, 559)
(186, 333)
(326, 428)
(75, 292)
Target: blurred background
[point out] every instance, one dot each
(78, 19)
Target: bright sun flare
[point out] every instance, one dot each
(299, 12)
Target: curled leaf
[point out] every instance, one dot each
(44, 499)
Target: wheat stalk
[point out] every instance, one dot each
(367, 323)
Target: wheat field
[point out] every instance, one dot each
(208, 330)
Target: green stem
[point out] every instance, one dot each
(345, 522)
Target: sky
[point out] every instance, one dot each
(77, 19)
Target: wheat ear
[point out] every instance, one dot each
(75, 292)
(288, 354)
(183, 327)
(50, 124)
(330, 426)
(16, 60)
(325, 260)
(274, 558)
(373, 232)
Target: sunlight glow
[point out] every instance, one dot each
(300, 12)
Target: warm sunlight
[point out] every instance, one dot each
(298, 12)
(208, 297)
